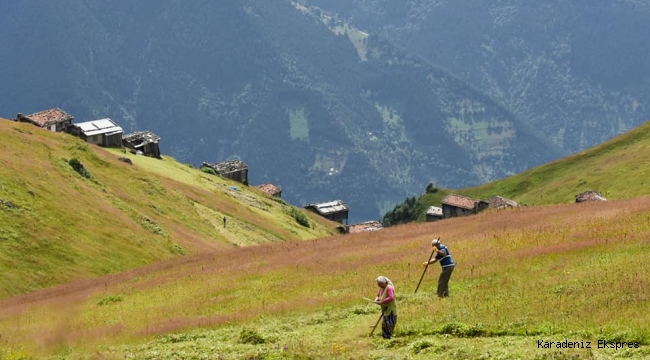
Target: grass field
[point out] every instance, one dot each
(57, 226)
(552, 273)
(135, 263)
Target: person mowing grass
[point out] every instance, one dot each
(446, 262)
(386, 298)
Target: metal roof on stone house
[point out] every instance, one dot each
(330, 207)
(434, 211)
(269, 188)
(104, 126)
(460, 201)
(589, 195)
(141, 138)
(498, 202)
(48, 117)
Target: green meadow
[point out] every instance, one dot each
(58, 226)
(618, 169)
(526, 278)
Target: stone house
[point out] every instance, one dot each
(589, 195)
(230, 169)
(271, 189)
(457, 205)
(498, 202)
(372, 225)
(54, 119)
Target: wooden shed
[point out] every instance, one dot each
(457, 205)
(434, 213)
(104, 132)
(143, 141)
(335, 210)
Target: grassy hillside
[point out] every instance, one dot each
(559, 272)
(618, 169)
(57, 226)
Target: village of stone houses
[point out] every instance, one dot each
(106, 132)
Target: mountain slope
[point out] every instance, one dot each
(573, 70)
(307, 107)
(57, 226)
(618, 169)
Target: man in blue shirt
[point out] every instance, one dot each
(446, 262)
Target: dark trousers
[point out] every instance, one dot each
(388, 325)
(443, 281)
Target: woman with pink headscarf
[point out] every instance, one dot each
(386, 298)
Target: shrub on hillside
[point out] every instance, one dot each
(208, 170)
(79, 168)
(110, 300)
(300, 217)
(248, 336)
(431, 189)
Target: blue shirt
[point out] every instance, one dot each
(446, 260)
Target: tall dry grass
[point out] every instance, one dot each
(536, 270)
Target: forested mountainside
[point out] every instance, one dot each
(575, 70)
(310, 104)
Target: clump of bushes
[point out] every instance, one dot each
(110, 300)
(79, 168)
(208, 170)
(248, 336)
(300, 217)
(463, 330)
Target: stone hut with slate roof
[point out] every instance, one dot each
(498, 202)
(589, 195)
(231, 169)
(143, 141)
(54, 119)
(271, 189)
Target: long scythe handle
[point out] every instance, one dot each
(377, 323)
(425, 270)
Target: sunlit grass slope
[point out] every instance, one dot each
(618, 169)
(57, 226)
(576, 272)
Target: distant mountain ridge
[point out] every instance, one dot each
(574, 70)
(308, 106)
